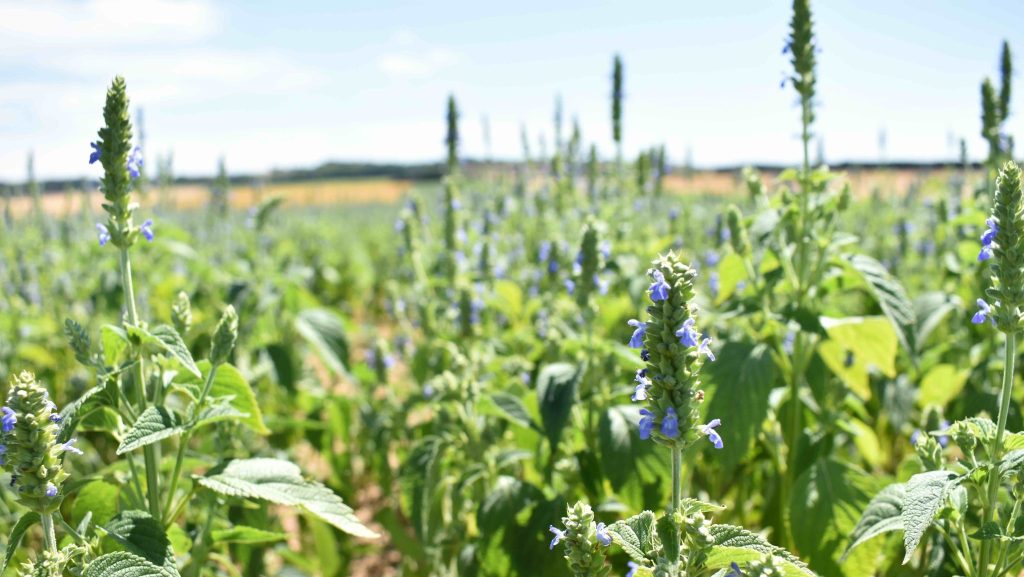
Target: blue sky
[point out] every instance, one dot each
(289, 84)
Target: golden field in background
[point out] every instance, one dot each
(194, 196)
(388, 191)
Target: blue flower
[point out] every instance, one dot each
(135, 162)
(642, 382)
(51, 490)
(544, 251)
(646, 424)
(70, 447)
(670, 424)
(601, 284)
(787, 342)
(3, 453)
(605, 248)
(640, 393)
(632, 568)
(8, 420)
(734, 570)
(147, 229)
(659, 288)
(602, 535)
(984, 311)
(637, 340)
(991, 232)
(399, 225)
(570, 286)
(559, 535)
(687, 335)
(95, 154)
(645, 355)
(673, 213)
(711, 258)
(985, 254)
(102, 233)
(712, 434)
(714, 283)
(705, 349)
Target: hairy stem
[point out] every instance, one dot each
(996, 451)
(49, 536)
(677, 477)
(152, 474)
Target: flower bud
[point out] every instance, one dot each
(31, 452)
(224, 336)
(181, 313)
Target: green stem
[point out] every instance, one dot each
(183, 444)
(996, 451)
(152, 474)
(69, 529)
(48, 534)
(677, 477)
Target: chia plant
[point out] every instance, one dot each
(153, 392)
(682, 541)
(983, 540)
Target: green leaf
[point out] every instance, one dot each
(514, 409)
(164, 339)
(124, 564)
(99, 498)
(731, 272)
(940, 385)
(930, 309)
(736, 544)
(281, 482)
(883, 515)
(142, 535)
(17, 534)
(153, 425)
(230, 387)
(925, 493)
(671, 540)
(246, 535)
(824, 508)
(617, 440)
(856, 344)
(325, 332)
(739, 385)
(556, 391)
(891, 297)
(113, 342)
(636, 535)
(504, 500)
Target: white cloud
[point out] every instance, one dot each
(409, 57)
(49, 24)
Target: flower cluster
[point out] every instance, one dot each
(674, 351)
(122, 165)
(1003, 244)
(29, 444)
(584, 541)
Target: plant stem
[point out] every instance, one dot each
(152, 476)
(48, 534)
(677, 477)
(183, 443)
(996, 451)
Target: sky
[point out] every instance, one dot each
(293, 84)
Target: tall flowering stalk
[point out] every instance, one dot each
(673, 352)
(121, 166)
(617, 97)
(1005, 242)
(31, 453)
(683, 540)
